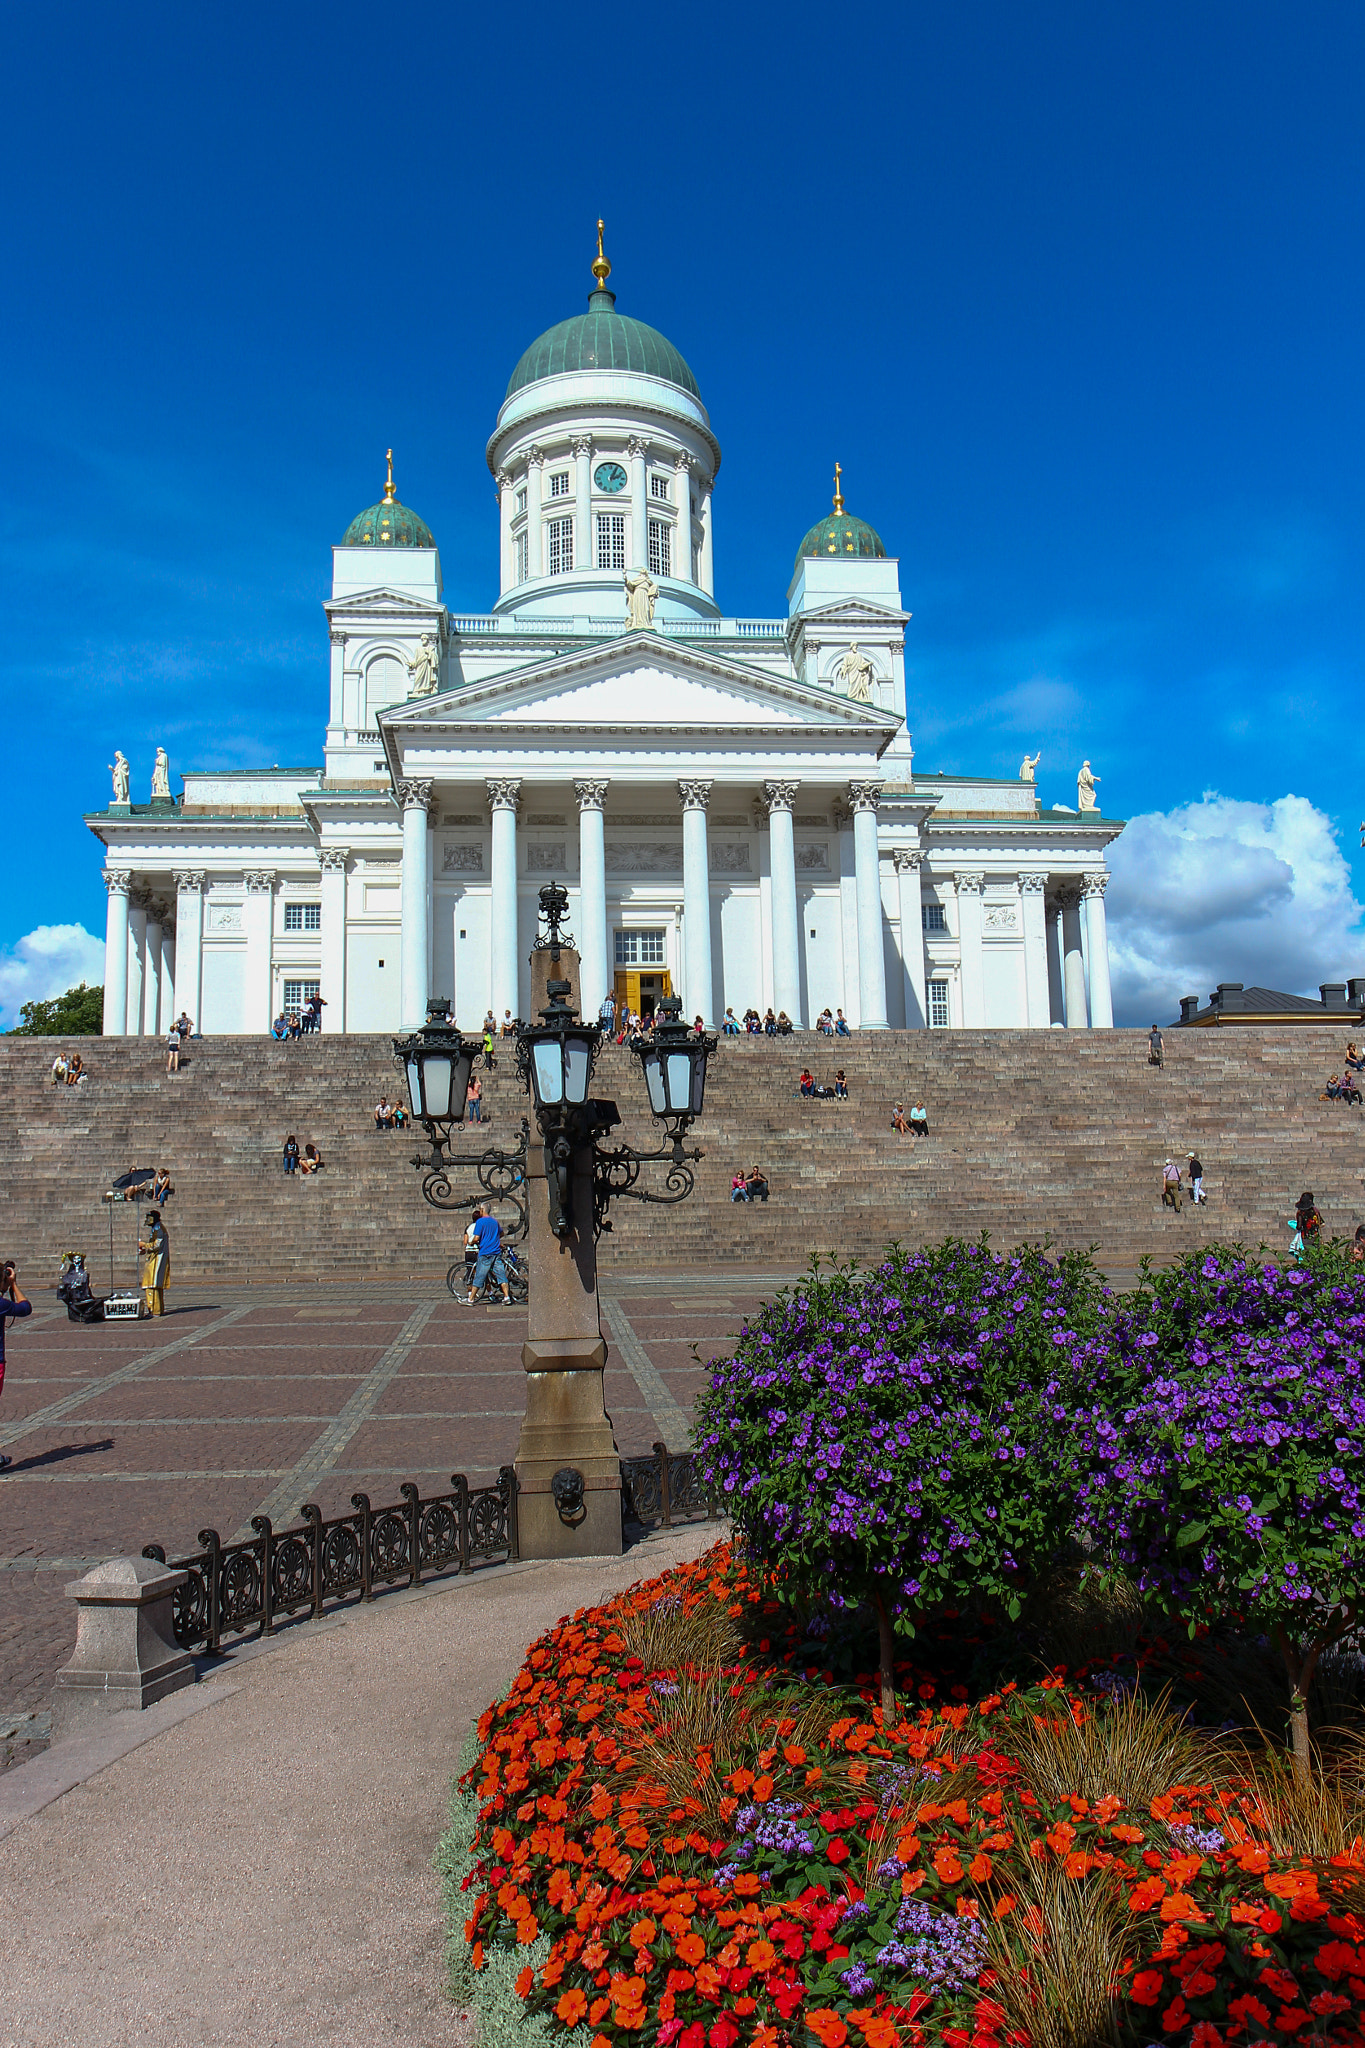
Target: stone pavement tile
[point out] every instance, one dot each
(285, 1361)
(462, 1444)
(175, 1444)
(115, 1517)
(227, 1397)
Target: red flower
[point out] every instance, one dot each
(838, 1851)
(1146, 1987)
(1175, 2017)
(724, 2032)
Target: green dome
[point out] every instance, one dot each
(842, 534)
(388, 524)
(602, 339)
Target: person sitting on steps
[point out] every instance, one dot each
(161, 1188)
(383, 1114)
(739, 1187)
(840, 1086)
(824, 1023)
(919, 1120)
(899, 1121)
(756, 1183)
(312, 1160)
(841, 1029)
(731, 1025)
(290, 1157)
(807, 1081)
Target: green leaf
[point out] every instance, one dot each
(1193, 1532)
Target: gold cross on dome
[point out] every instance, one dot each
(838, 494)
(390, 497)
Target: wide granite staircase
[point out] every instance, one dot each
(1031, 1134)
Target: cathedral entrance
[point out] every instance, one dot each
(642, 991)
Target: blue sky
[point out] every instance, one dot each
(1074, 293)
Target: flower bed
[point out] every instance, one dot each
(694, 1836)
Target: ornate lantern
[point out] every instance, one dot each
(438, 1063)
(558, 1056)
(674, 1064)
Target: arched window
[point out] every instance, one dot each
(386, 682)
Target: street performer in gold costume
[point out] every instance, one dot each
(155, 1247)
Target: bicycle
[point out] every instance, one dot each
(518, 1278)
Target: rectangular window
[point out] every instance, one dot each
(521, 504)
(640, 949)
(303, 917)
(938, 1006)
(559, 484)
(660, 548)
(658, 487)
(522, 549)
(561, 546)
(297, 993)
(934, 918)
(611, 540)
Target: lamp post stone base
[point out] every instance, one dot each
(568, 1469)
(126, 1654)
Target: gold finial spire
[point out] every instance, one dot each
(390, 495)
(838, 494)
(601, 269)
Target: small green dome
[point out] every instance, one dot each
(388, 524)
(842, 534)
(602, 339)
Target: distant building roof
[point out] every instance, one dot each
(1232, 1003)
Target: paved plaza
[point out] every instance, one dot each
(240, 1403)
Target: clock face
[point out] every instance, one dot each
(609, 476)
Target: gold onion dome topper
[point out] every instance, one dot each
(388, 524)
(602, 339)
(840, 533)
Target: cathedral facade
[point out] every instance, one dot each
(732, 803)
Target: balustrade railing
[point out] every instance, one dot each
(233, 1587)
(665, 1488)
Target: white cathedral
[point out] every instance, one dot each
(732, 803)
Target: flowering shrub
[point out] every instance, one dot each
(1233, 1482)
(904, 1438)
(847, 1887)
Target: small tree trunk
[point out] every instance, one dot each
(886, 1641)
(1299, 1670)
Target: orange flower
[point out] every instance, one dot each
(642, 1933)
(760, 1955)
(1145, 1895)
(794, 1754)
(1288, 1884)
(948, 1865)
(1004, 1904)
(571, 2007)
(763, 1789)
(1253, 1862)
(1180, 1906)
(525, 1979)
(979, 1869)
(827, 2027)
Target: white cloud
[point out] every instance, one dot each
(46, 962)
(1228, 891)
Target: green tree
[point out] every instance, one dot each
(77, 1014)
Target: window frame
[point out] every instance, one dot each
(660, 547)
(640, 946)
(303, 917)
(937, 990)
(560, 484)
(558, 546)
(521, 557)
(617, 538)
(658, 488)
(310, 984)
(933, 918)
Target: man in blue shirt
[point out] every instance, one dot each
(12, 1303)
(488, 1239)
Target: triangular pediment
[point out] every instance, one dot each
(642, 680)
(379, 600)
(854, 611)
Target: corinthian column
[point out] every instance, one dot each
(697, 992)
(259, 921)
(780, 798)
(1033, 894)
(504, 794)
(137, 961)
(1073, 958)
(1101, 999)
(415, 798)
(535, 529)
(333, 862)
(863, 798)
(189, 943)
(969, 887)
(906, 861)
(593, 969)
(117, 882)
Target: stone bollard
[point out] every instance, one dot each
(126, 1654)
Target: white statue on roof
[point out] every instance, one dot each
(1085, 789)
(422, 669)
(118, 768)
(1028, 765)
(642, 594)
(161, 777)
(855, 673)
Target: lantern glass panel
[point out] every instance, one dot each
(415, 1088)
(576, 1067)
(654, 1081)
(698, 1082)
(549, 1071)
(436, 1073)
(679, 1082)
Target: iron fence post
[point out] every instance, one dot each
(507, 1479)
(414, 1501)
(665, 1486)
(210, 1540)
(312, 1514)
(261, 1524)
(361, 1502)
(461, 1487)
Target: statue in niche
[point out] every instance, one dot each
(422, 669)
(1085, 789)
(642, 594)
(1027, 766)
(118, 768)
(161, 778)
(855, 675)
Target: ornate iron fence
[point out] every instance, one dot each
(238, 1586)
(664, 1489)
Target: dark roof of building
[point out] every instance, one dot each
(1232, 1003)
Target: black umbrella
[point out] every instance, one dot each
(133, 1182)
(135, 1178)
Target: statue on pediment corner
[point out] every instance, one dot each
(161, 777)
(118, 768)
(642, 594)
(1028, 765)
(1085, 789)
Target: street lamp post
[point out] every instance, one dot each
(567, 1464)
